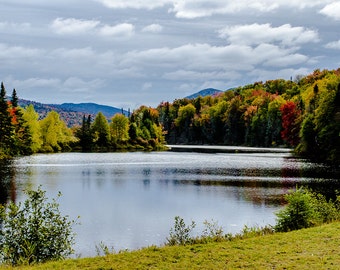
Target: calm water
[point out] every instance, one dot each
(129, 200)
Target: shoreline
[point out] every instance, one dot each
(226, 149)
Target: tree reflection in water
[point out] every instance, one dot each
(7, 182)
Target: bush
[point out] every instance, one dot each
(34, 231)
(180, 234)
(305, 209)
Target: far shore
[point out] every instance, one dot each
(225, 149)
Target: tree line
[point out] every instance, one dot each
(303, 114)
(22, 132)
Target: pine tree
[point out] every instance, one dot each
(6, 127)
(84, 134)
(22, 140)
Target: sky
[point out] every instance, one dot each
(142, 52)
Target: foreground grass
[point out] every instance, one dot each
(315, 248)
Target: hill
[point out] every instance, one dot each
(205, 92)
(72, 113)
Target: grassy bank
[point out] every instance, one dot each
(315, 248)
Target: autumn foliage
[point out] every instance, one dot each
(303, 114)
(290, 123)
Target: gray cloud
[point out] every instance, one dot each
(254, 34)
(129, 53)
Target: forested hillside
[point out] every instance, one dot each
(23, 131)
(71, 113)
(304, 114)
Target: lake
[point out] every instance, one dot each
(130, 200)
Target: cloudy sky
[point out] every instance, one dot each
(127, 53)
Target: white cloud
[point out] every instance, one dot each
(205, 60)
(153, 28)
(187, 75)
(74, 54)
(20, 27)
(36, 82)
(79, 85)
(73, 26)
(253, 34)
(123, 30)
(137, 4)
(17, 52)
(287, 73)
(202, 8)
(333, 45)
(332, 10)
(147, 86)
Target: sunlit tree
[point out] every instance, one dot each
(31, 118)
(56, 135)
(100, 129)
(119, 129)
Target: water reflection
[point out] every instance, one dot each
(7, 182)
(129, 200)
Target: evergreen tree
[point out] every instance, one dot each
(22, 139)
(14, 99)
(84, 134)
(6, 127)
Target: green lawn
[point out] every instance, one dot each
(315, 248)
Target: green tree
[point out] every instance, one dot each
(55, 134)
(100, 128)
(22, 139)
(327, 124)
(31, 118)
(119, 129)
(145, 132)
(6, 127)
(85, 134)
(35, 231)
(305, 209)
(185, 121)
(234, 124)
(274, 121)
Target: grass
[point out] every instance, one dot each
(314, 248)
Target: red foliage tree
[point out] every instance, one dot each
(290, 123)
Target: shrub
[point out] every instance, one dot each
(248, 232)
(180, 234)
(212, 231)
(34, 231)
(305, 209)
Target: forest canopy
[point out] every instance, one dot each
(303, 114)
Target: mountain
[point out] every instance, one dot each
(72, 113)
(92, 108)
(205, 92)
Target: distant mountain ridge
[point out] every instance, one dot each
(205, 92)
(72, 113)
(92, 108)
